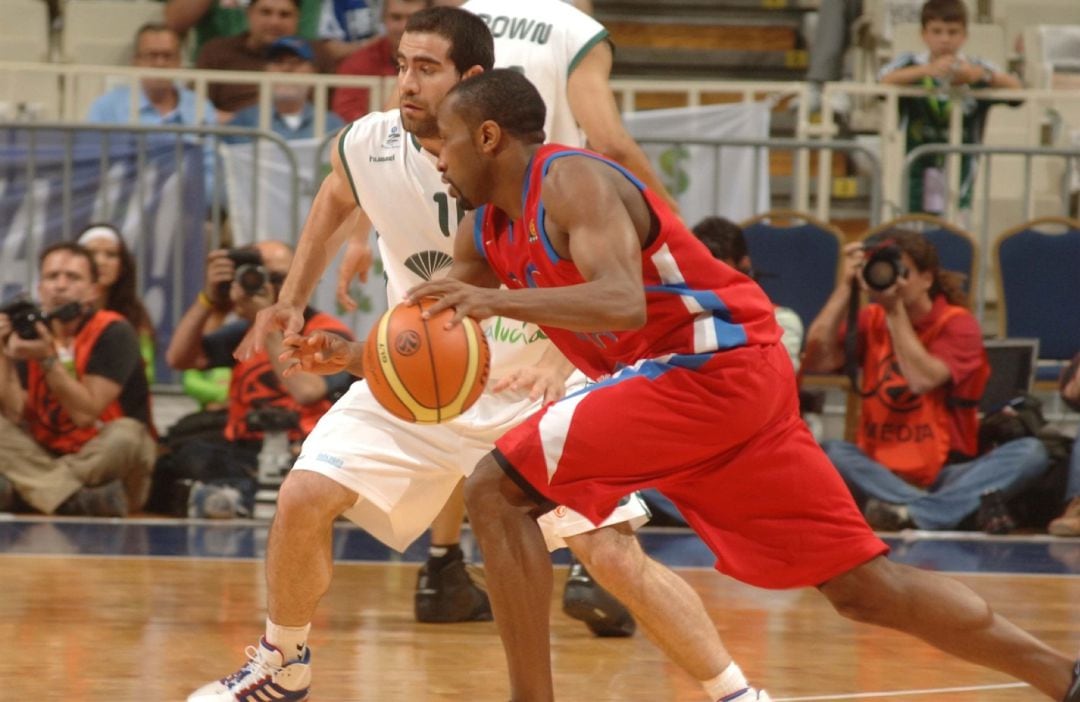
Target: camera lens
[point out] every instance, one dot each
(251, 278)
(880, 274)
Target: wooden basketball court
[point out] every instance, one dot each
(119, 611)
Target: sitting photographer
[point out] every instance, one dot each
(1068, 523)
(240, 282)
(924, 368)
(75, 435)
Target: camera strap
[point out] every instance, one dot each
(851, 338)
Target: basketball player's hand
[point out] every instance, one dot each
(283, 317)
(355, 264)
(466, 300)
(539, 382)
(320, 352)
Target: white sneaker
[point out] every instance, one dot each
(266, 676)
(747, 695)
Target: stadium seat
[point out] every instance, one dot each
(796, 258)
(957, 249)
(1049, 51)
(102, 32)
(1014, 16)
(1039, 288)
(24, 36)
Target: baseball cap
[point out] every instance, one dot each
(298, 46)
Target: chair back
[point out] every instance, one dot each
(796, 258)
(1038, 283)
(957, 250)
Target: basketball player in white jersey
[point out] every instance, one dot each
(567, 55)
(389, 476)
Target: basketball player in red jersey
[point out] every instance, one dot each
(696, 398)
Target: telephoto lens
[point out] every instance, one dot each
(883, 266)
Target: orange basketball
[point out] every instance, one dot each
(419, 370)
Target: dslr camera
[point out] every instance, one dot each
(251, 274)
(24, 315)
(882, 266)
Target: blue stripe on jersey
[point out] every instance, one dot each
(650, 370)
(691, 361)
(629, 176)
(728, 334)
(478, 230)
(552, 255)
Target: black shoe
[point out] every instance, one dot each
(585, 600)
(108, 500)
(7, 494)
(1073, 695)
(993, 516)
(886, 516)
(448, 594)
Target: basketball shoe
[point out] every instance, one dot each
(1073, 695)
(585, 600)
(266, 676)
(446, 593)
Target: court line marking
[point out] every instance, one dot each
(902, 693)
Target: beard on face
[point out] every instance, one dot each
(463, 202)
(424, 128)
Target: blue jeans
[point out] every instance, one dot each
(1072, 488)
(956, 492)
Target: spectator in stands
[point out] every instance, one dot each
(831, 39)
(268, 21)
(923, 371)
(116, 285)
(1068, 524)
(230, 464)
(926, 119)
(292, 114)
(347, 25)
(162, 100)
(76, 435)
(376, 58)
(227, 18)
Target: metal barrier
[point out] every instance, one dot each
(118, 174)
(1070, 156)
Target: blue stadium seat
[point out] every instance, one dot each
(796, 258)
(1038, 285)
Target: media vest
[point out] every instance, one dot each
(254, 384)
(909, 433)
(50, 424)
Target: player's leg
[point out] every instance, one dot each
(950, 616)
(445, 592)
(518, 574)
(299, 563)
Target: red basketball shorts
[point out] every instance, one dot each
(725, 442)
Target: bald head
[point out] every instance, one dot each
(276, 255)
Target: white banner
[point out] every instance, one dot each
(708, 181)
(260, 208)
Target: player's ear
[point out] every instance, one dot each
(490, 135)
(473, 71)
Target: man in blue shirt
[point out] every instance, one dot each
(292, 114)
(161, 100)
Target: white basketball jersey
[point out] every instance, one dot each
(398, 186)
(545, 39)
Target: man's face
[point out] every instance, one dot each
(425, 76)
(460, 162)
(270, 20)
(287, 62)
(396, 14)
(944, 38)
(65, 277)
(157, 50)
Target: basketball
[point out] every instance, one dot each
(419, 370)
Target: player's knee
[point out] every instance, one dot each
(610, 554)
(310, 499)
(488, 491)
(862, 594)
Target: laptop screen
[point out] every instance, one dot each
(1012, 370)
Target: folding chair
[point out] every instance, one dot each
(957, 250)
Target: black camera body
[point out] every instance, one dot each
(24, 315)
(251, 275)
(883, 265)
(272, 418)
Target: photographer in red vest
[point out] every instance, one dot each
(923, 368)
(76, 435)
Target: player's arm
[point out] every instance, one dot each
(590, 225)
(357, 259)
(320, 239)
(470, 266)
(593, 105)
(182, 15)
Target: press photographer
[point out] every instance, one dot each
(237, 284)
(76, 435)
(924, 368)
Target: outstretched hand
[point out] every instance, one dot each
(286, 318)
(540, 382)
(355, 265)
(319, 352)
(466, 300)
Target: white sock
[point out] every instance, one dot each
(290, 640)
(726, 683)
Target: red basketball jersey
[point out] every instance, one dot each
(695, 304)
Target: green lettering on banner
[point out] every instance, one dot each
(676, 179)
(506, 334)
